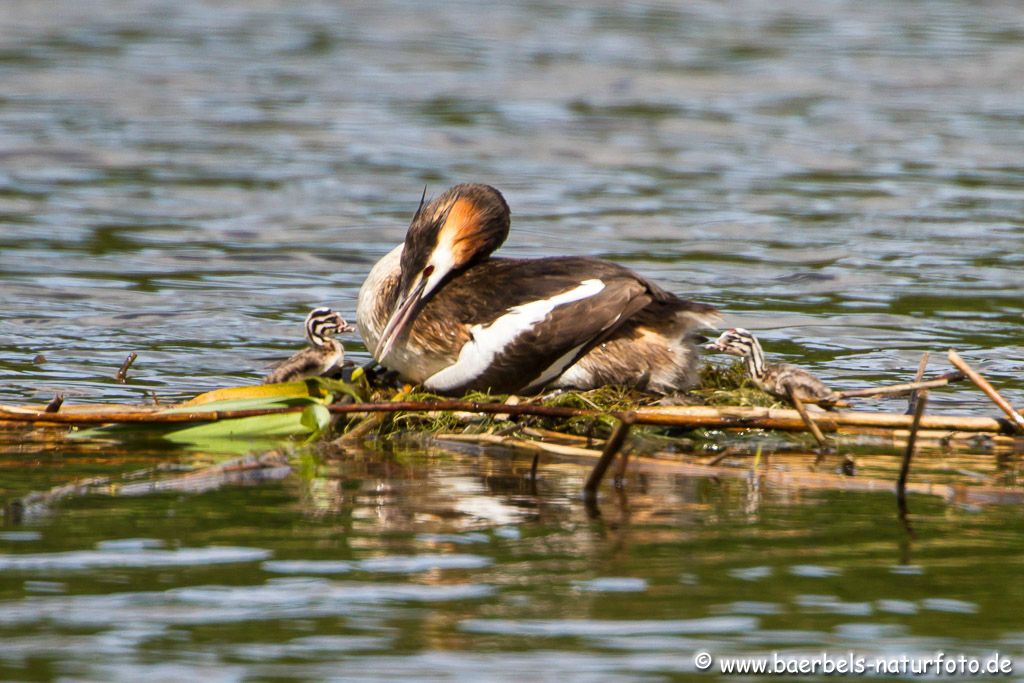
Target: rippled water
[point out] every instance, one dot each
(186, 180)
(436, 566)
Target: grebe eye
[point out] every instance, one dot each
(428, 271)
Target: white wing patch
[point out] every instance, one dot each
(477, 355)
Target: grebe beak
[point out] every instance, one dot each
(405, 312)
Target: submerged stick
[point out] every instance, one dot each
(620, 469)
(789, 478)
(122, 373)
(529, 445)
(729, 451)
(358, 432)
(544, 434)
(611, 449)
(1015, 418)
(901, 483)
(922, 364)
(799, 405)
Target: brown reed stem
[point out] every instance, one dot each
(909, 387)
(620, 469)
(611, 449)
(921, 366)
(799, 405)
(54, 405)
(721, 417)
(122, 373)
(901, 483)
(1015, 418)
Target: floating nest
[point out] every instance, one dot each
(726, 427)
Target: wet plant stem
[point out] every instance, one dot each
(122, 373)
(901, 483)
(611, 449)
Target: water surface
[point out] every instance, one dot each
(187, 180)
(437, 566)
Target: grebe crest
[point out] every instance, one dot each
(461, 227)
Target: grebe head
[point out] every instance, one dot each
(322, 324)
(462, 226)
(735, 342)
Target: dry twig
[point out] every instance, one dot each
(1015, 418)
(794, 398)
(122, 373)
(718, 417)
(921, 366)
(909, 387)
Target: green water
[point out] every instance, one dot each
(187, 179)
(433, 565)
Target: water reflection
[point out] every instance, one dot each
(410, 558)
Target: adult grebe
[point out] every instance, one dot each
(323, 354)
(776, 378)
(442, 313)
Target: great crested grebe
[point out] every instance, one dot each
(777, 378)
(323, 354)
(441, 312)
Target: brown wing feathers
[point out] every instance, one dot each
(571, 328)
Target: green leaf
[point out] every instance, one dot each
(316, 418)
(259, 426)
(314, 394)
